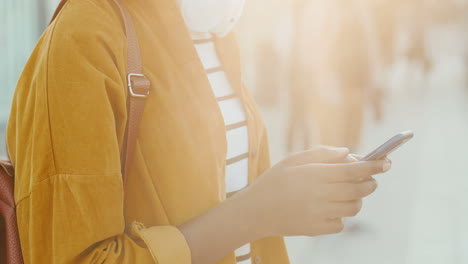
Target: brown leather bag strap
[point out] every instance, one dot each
(138, 87)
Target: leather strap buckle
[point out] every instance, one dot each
(134, 93)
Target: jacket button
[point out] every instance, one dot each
(257, 260)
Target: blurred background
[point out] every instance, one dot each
(346, 73)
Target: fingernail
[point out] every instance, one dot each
(353, 157)
(386, 166)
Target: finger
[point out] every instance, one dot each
(368, 178)
(321, 154)
(344, 209)
(339, 192)
(350, 172)
(389, 161)
(357, 157)
(322, 227)
(333, 225)
(351, 158)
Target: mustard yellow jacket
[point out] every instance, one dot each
(67, 126)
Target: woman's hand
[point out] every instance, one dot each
(306, 194)
(309, 193)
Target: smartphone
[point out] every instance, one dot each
(389, 146)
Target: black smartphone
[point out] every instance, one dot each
(388, 147)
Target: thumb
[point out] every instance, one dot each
(321, 154)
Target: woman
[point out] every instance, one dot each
(68, 123)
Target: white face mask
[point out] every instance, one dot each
(211, 16)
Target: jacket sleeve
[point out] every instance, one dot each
(64, 135)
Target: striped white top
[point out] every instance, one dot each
(231, 107)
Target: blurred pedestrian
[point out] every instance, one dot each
(301, 81)
(332, 78)
(418, 23)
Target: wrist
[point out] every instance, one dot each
(252, 214)
(224, 228)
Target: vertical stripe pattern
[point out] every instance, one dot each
(237, 137)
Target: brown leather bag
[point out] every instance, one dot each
(138, 85)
